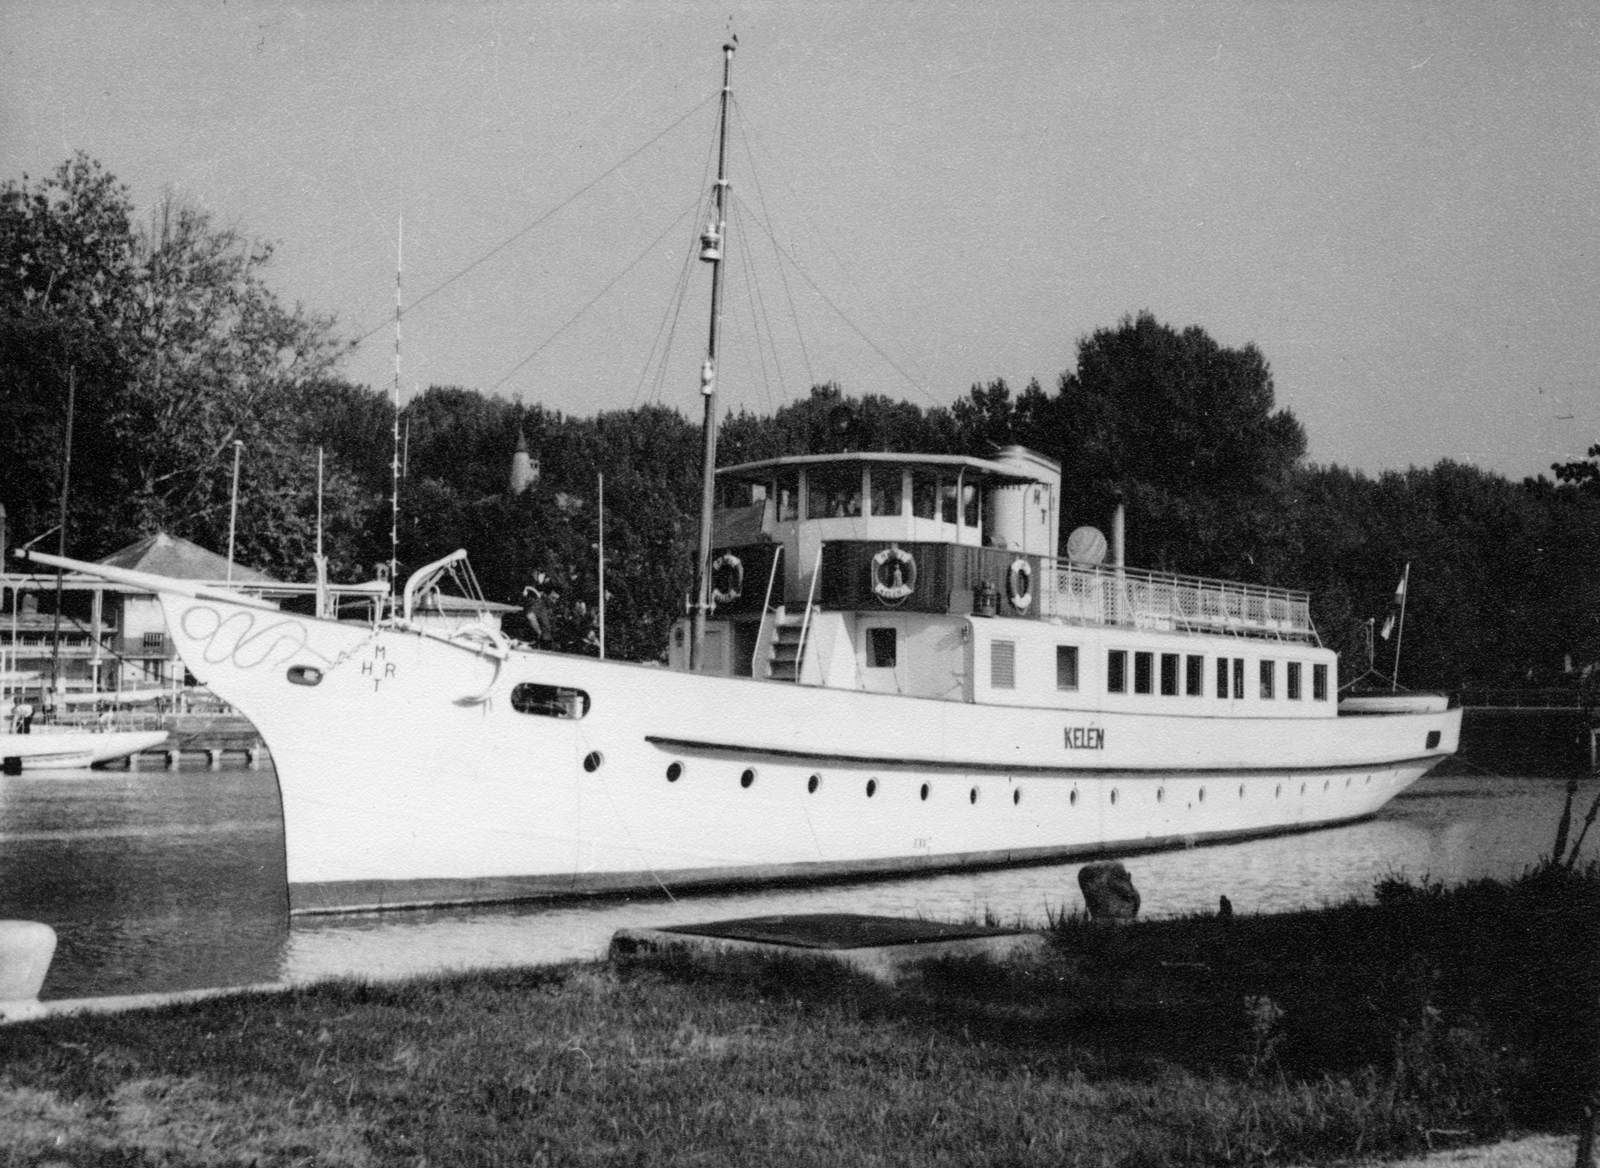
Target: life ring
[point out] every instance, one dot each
(1019, 584)
(727, 578)
(894, 574)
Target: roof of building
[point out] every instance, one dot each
(181, 559)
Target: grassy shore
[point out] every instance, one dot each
(1430, 1018)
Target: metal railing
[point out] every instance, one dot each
(1134, 598)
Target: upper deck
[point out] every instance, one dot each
(870, 531)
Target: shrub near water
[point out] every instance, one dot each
(1434, 1016)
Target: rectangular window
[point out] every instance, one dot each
(1319, 682)
(948, 495)
(1222, 677)
(1169, 674)
(1142, 668)
(833, 492)
(1269, 677)
(1066, 667)
(1293, 682)
(153, 641)
(1117, 671)
(1238, 679)
(881, 648)
(1194, 682)
(886, 490)
(924, 493)
(1003, 664)
(786, 489)
(969, 505)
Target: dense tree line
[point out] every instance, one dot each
(172, 348)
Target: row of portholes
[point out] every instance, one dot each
(747, 779)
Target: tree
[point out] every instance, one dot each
(1585, 474)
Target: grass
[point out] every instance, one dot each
(1435, 1016)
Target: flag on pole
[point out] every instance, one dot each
(1395, 605)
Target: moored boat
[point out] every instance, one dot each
(890, 668)
(51, 747)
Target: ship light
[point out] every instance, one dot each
(711, 244)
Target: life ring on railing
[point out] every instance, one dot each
(727, 578)
(1019, 584)
(894, 574)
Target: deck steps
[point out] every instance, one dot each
(783, 655)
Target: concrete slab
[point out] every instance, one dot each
(886, 948)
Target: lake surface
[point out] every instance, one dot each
(164, 880)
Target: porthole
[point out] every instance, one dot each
(592, 761)
(748, 777)
(674, 772)
(924, 792)
(1113, 796)
(1202, 794)
(1073, 798)
(304, 675)
(972, 795)
(1433, 740)
(1161, 794)
(872, 787)
(813, 783)
(1016, 796)
(1241, 790)
(1277, 792)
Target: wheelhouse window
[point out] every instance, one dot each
(1117, 671)
(833, 492)
(886, 489)
(1292, 681)
(1269, 678)
(1194, 682)
(924, 493)
(1169, 675)
(1143, 666)
(881, 648)
(1238, 679)
(1319, 683)
(969, 505)
(949, 492)
(1003, 664)
(1066, 667)
(786, 490)
(1222, 677)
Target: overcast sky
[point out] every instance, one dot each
(1397, 203)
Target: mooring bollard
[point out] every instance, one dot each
(26, 948)
(172, 760)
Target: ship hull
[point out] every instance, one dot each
(408, 777)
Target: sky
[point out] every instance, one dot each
(1398, 204)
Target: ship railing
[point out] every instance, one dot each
(1098, 594)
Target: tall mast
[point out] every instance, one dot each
(711, 252)
(394, 458)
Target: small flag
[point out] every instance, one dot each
(1396, 605)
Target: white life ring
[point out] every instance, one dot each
(731, 569)
(894, 574)
(1019, 584)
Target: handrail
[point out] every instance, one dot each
(805, 622)
(766, 604)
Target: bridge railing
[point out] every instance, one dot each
(1137, 598)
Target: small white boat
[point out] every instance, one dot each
(1394, 703)
(48, 747)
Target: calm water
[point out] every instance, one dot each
(158, 880)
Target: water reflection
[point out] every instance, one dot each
(173, 880)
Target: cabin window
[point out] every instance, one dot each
(969, 505)
(1117, 671)
(1003, 664)
(1143, 666)
(1222, 677)
(887, 490)
(1194, 681)
(924, 493)
(786, 490)
(1319, 683)
(1066, 667)
(1292, 682)
(833, 492)
(549, 701)
(1169, 675)
(949, 493)
(732, 493)
(881, 648)
(1269, 677)
(1238, 679)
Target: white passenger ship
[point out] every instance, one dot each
(890, 670)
